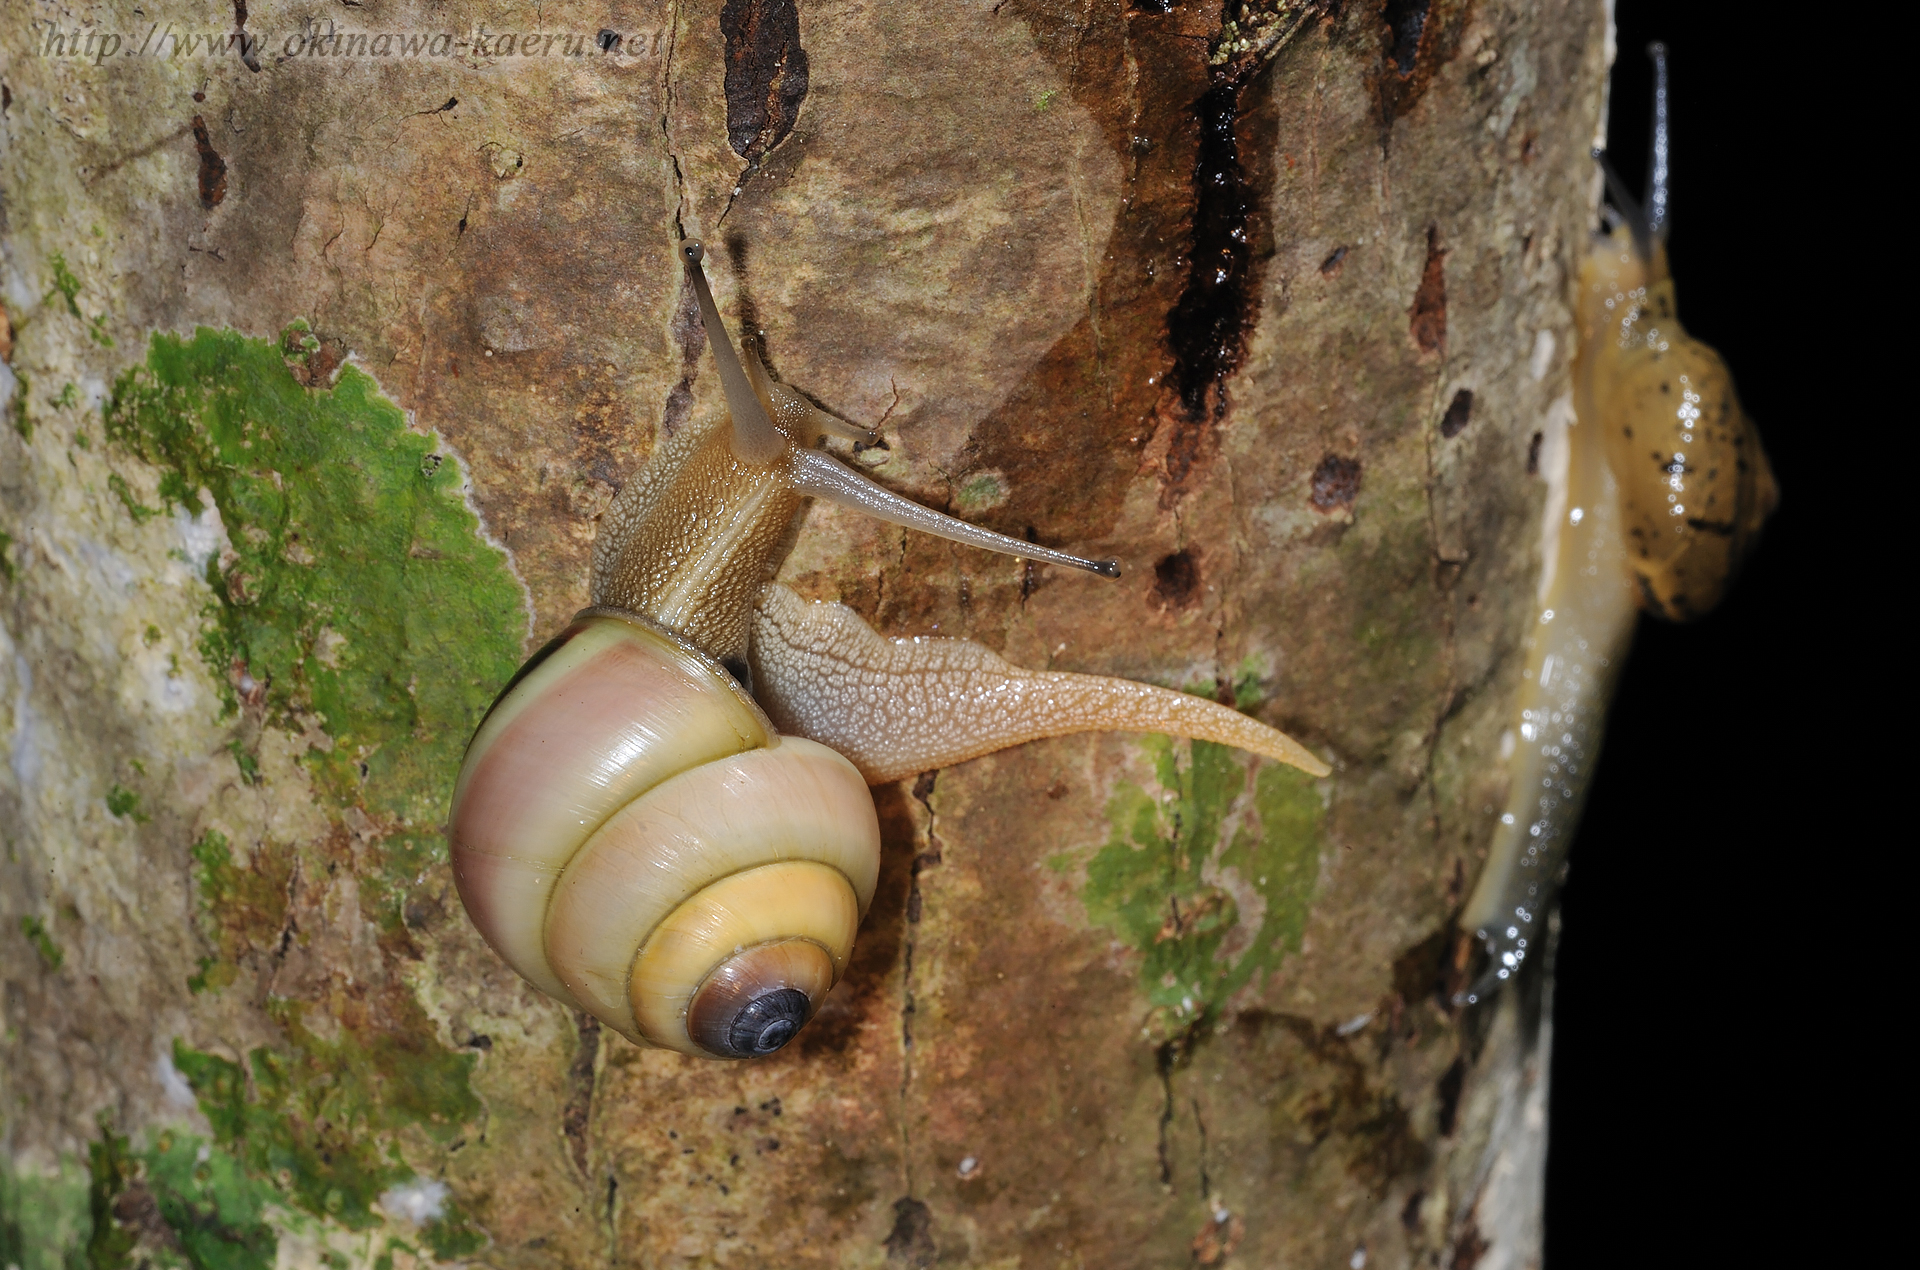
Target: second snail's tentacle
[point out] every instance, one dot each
(1636, 216)
(1657, 152)
(822, 476)
(899, 706)
(755, 439)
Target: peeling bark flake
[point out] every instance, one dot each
(766, 74)
(213, 168)
(1429, 311)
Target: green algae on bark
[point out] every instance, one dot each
(215, 1210)
(237, 908)
(318, 1121)
(43, 1219)
(357, 588)
(176, 1201)
(357, 592)
(42, 940)
(358, 606)
(1210, 880)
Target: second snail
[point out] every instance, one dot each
(664, 818)
(1658, 489)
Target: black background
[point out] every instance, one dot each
(1712, 916)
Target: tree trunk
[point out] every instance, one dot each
(320, 375)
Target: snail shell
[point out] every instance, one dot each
(635, 839)
(1695, 486)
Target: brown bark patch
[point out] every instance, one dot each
(213, 168)
(137, 1210)
(1417, 37)
(1420, 973)
(766, 74)
(1448, 1093)
(1470, 1247)
(1176, 580)
(575, 1117)
(1218, 1238)
(1429, 312)
(248, 54)
(1459, 414)
(910, 1242)
(1406, 22)
(1336, 482)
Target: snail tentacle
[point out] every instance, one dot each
(1658, 148)
(755, 439)
(803, 422)
(824, 477)
(895, 707)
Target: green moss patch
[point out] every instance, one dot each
(215, 1210)
(359, 606)
(42, 940)
(358, 589)
(43, 1220)
(1206, 910)
(177, 1201)
(318, 1121)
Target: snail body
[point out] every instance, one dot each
(632, 832)
(1662, 495)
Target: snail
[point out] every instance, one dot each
(1665, 491)
(664, 818)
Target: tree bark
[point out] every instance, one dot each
(1271, 304)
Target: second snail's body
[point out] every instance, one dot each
(664, 819)
(1661, 491)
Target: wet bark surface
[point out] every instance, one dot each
(1267, 303)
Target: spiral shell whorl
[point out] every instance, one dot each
(630, 835)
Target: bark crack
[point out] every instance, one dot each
(575, 1117)
(1200, 1124)
(1163, 1059)
(923, 794)
(666, 120)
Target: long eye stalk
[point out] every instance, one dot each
(1648, 222)
(1630, 209)
(823, 477)
(1657, 152)
(755, 440)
